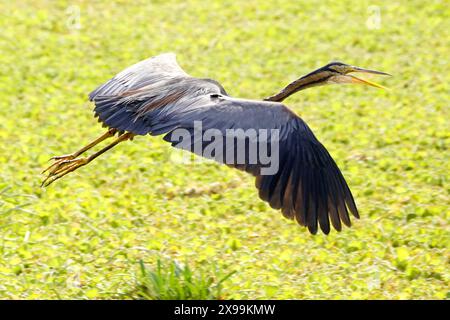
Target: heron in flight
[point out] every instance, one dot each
(155, 96)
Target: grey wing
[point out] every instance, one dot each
(308, 186)
(121, 102)
(141, 74)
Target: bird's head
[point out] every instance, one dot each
(332, 73)
(338, 72)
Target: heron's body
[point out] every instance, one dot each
(157, 97)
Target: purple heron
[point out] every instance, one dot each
(155, 96)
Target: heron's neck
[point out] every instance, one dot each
(308, 81)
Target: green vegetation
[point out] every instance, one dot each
(84, 236)
(179, 282)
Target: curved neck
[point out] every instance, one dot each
(313, 79)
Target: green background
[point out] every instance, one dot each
(84, 236)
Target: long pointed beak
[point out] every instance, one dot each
(354, 79)
(357, 69)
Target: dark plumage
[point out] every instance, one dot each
(156, 97)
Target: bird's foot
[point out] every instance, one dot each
(59, 160)
(62, 166)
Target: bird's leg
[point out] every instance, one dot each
(60, 159)
(70, 165)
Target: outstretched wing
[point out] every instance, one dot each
(307, 187)
(150, 87)
(147, 72)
